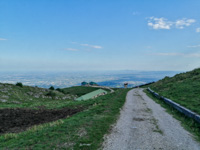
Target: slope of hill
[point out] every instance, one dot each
(38, 118)
(15, 96)
(79, 90)
(12, 96)
(183, 88)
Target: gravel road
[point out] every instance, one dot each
(144, 125)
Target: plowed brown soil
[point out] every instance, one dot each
(17, 120)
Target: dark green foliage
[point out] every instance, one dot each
(59, 90)
(92, 83)
(19, 84)
(183, 88)
(51, 88)
(84, 83)
(51, 93)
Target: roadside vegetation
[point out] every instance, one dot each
(84, 128)
(183, 88)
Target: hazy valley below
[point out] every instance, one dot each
(74, 78)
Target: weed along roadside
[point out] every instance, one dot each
(83, 130)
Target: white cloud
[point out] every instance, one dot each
(169, 54)
(181, 23)
(194, 46)
(197, 30)
(88, 45)
(92, 46)
(159, 23)
(163, 23)
(1, 39)
(178, 54)
(194, 55)
(70, 49)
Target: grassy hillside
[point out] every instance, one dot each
(53, 122)
(12, 96)
(183, 88)
(79, 90)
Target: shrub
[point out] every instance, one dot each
(59, 90)
(51, 88)
(52, 94)
(19, 84)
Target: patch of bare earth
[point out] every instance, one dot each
(19, 119)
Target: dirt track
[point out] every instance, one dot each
(144, 125)
(17, 120)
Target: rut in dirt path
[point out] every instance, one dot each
(144, 125)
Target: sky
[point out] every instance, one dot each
(64, 35)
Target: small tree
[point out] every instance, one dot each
(19, 84)
(51, 93)
(59, 90)
(84, 83)
(51, 88)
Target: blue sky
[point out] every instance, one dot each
(99, 35)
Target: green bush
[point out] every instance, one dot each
(51, 88)
(19, 84)
(59, 90)
(52, 94)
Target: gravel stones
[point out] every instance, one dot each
(144, 125)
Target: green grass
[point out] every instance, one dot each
(36, 103)
(84, 130)
(155, 123)
(79, 90)
(189, 124)
(183, 88)
(34, 97)
(27, 96)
